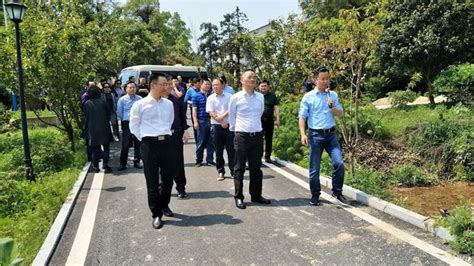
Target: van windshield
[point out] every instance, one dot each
(126, 74)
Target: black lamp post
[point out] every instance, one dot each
(16, 11)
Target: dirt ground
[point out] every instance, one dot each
(428, 200)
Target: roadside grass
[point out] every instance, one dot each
(27, 209)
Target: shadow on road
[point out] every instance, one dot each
(209, 194)
(202, 220)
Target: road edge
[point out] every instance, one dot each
(401, 213)
(52, 239)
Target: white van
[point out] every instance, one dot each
(186, 72)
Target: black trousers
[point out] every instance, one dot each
(223, 138)
(268, 125)
(158, 167)
(128, 139)
(248, 147)
(179, 174)
(98, 153)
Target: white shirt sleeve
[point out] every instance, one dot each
(232, 112)
(135, 120)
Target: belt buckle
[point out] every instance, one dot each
(161, 137)
(253, 134)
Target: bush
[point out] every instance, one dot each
(448, 142)
(410, 176)
(49, 151)
(456, 83)
(401, 98)
(461, 225)
(369, 181)
(373, 87)
(287, 145)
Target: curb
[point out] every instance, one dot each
(51, 241)
(403, 214)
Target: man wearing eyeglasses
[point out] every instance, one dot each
(150, 121)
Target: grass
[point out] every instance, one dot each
(31, 114)
(28, 209)
(30, 227)
(395, 121)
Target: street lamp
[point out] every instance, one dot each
(16, 11)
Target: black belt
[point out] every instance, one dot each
(159, 138)
(251, 134)
(324, 130)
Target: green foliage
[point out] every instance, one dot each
(427, 36)
(409, 175)
(9, 252)
(287, 143)
(460, 223)
(369, 181)
(32, 208)
(401, 98)
(47, 146)
(373, 87)
(5, 117)
(448, 142)
(27, 209)
(456, 83)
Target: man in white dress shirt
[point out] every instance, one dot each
(245, 112)
(150, 121)
(217, 106)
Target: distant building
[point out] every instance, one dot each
(262, 30)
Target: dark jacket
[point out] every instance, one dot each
(97, 115)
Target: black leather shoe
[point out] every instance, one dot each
(137, 165)
(261, 200)
(157, 223)
(198, 164)
(314, 201)
(122, 167)
(211, 164)
(182, 195)
(268, 160)
(168, 212)
(239, 203)
(341, 199)
(107, 169)
(95, 169)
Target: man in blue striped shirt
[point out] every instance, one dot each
(202, 123)
(318, 108)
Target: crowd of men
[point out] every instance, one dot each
(153, 120)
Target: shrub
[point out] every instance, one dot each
(287, 145)
(461, 225)
(409, 175)
(456, 82)
(401, 98)
(373, 87)
(49, 151)
(369, 181)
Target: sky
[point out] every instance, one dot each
(259, 12)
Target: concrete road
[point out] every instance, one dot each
(111, 225)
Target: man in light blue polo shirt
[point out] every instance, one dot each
(318, 108)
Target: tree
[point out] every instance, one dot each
(427, 36)
(209, 44)
(143, 9)
(327, 9)
(230, 50)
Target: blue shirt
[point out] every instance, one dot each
(190, 94)
(229, 89)
(124, 105)
(315, 110)
(199, 101)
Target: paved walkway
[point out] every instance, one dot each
(111, 225)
